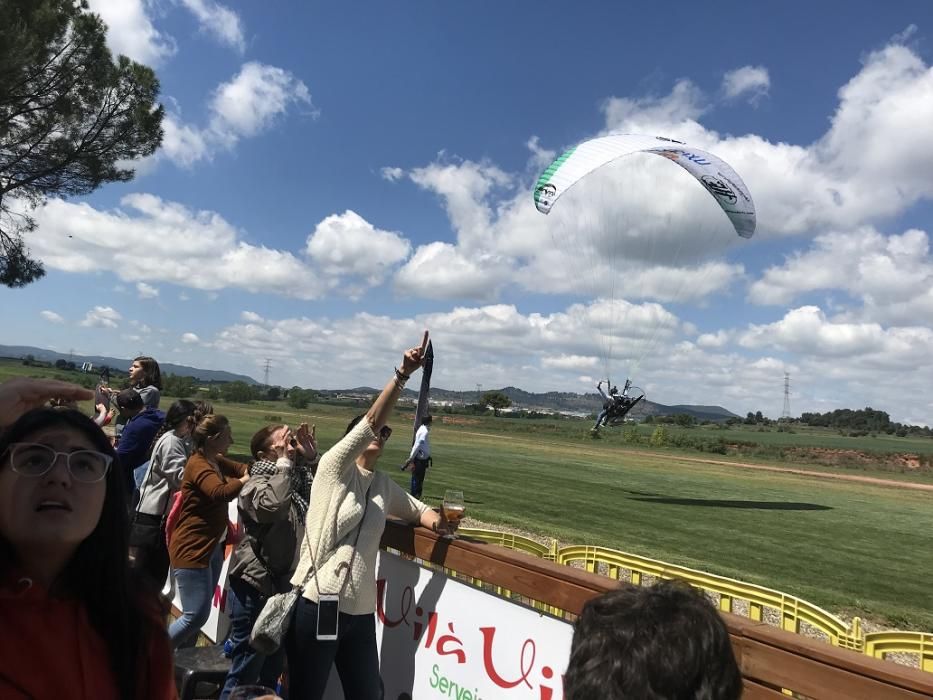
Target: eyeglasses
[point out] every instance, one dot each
(385, 432)
(32, 459)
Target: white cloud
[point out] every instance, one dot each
(346, 245)
(130, 31)
(571, 362)
(808, 332)
(464, 188)
(52, 317)
(251, 317)
(218, 20)
(442, 271)
(249, 103)
(146, 291)
(201, 250)
(495, 342)
(195, 249)
(101, 317)
(682, 107)
(253, 99)
(183, 144)
(392, 174)
(752, 82)
(713, 341)
(190, 338)
(891, 276)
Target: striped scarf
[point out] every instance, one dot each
(301, 482)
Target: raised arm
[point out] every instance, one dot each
(17, 396)
(382, 407)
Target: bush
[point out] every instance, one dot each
(660, 437)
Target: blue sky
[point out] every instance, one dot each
(335, 178)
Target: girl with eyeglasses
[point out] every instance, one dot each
(76, 621)
(347, 513)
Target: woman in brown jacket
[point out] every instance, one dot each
(196, 550)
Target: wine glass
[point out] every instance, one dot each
(452, 510)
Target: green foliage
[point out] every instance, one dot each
(496, 400)
(660, 437)
(685, 420)
(237, 392)
(70, 116)
(299, 398)
(179, 387)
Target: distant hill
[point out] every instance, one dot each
(551, 401)
(555, 401)
(204, 375)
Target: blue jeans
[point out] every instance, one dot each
(601, 418)
(418, 470)
(353, 652)
(249, 666)
(196, 590)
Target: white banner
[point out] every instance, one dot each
(441, 638)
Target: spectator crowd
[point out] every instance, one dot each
(92, 526)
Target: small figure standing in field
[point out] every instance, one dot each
(420, 458)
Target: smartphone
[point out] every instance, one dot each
(328, 611)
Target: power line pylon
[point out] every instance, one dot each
(785, 414)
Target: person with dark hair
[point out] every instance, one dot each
(196, 548)
(76, 623)
(272, 507)
(146, 378)
(420, 457)
(162, 478)
(346, 518)
(202, 408)
(142, 424)
(662, 642)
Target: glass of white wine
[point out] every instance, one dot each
(452, 510)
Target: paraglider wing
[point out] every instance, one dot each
(717, 176)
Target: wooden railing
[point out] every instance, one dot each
(770, 659)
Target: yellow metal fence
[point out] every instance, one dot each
(755, 602)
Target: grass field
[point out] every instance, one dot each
(854, 549)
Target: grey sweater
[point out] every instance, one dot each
(163, 478)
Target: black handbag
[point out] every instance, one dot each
(147, 531)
